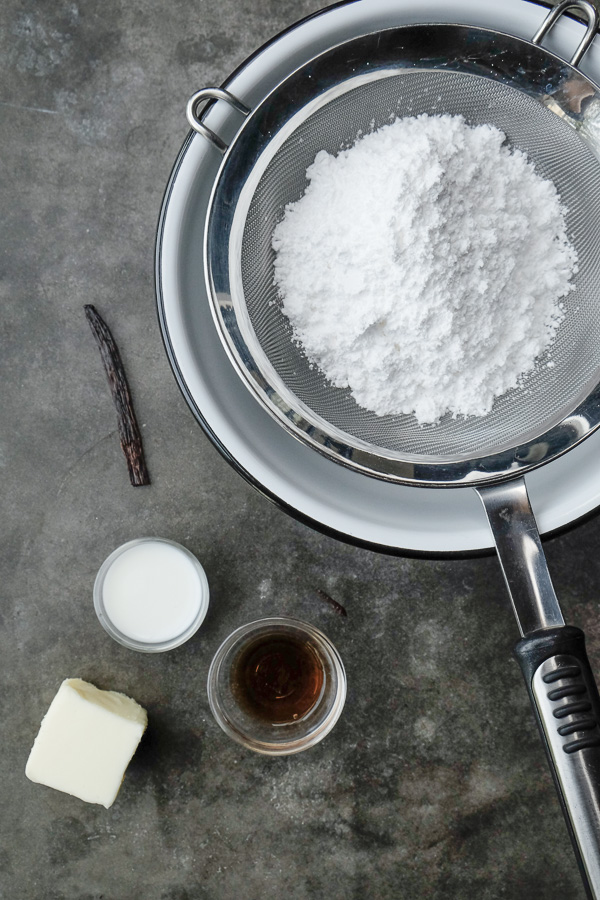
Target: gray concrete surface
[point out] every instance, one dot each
(433, 785)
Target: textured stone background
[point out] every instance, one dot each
(433, 785)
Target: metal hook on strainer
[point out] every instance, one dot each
(551, 111)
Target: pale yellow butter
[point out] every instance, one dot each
(86, 741)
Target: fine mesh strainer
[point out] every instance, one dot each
(546, 108)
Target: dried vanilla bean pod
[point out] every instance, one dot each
(129, 433)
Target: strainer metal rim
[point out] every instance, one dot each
(512, 61)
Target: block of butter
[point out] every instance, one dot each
(86, 741)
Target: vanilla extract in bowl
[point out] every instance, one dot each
(277, 686)
(278, 678)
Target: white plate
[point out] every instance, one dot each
(322, 493)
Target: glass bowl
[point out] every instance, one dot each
(183, 625)
(257, 727)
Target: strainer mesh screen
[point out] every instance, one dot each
(557, 152)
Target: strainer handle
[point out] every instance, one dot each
(588, 8)
(565, 700)
(554, 662)
(207, 95)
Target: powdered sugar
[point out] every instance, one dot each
(424, 267)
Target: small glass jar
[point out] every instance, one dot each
(263, 728)
(151, 595)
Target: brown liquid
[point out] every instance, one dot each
(277, 678)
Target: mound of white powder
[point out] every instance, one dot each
(424, 266)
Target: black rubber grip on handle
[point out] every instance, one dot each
(582, 704)
(533, 650)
